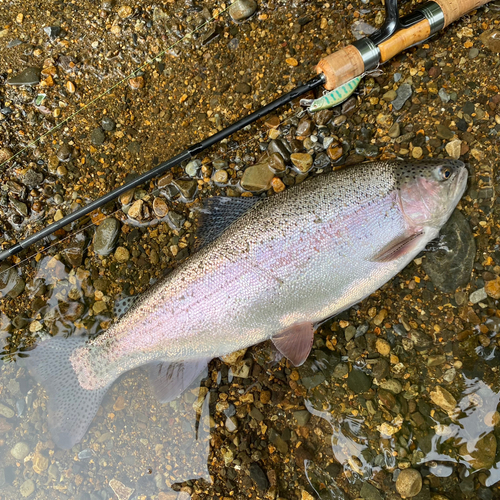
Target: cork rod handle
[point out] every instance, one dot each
(455, 9)
(347, 63)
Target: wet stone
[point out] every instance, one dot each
(444, 132)
(305, 127)
(334, 152)
(491, 40)
(193, 167)
(409, 483)
(106, 236)
(176, 220)
(40, 463)
(108, 124)
(257, 178)
(394, 131)
(369, 492)
(73, 253)
(442, 398)
(302, 161)
(20, 450)
(52, 31)
(451, 268)
(302, 417)
(97, 136)
(31, 178)
(19, 207)
(27, 488)
(30, 76)
(11, 284)
(135, 210)
(187, 188)
(6, 411)
(480, 454)
(341, 370)
(243, 88)
(381, 369)
(122, 255)
(242, 9)
(492, 288)
(478, 296)
(403, 94)
(277, 146)
(444, 96)
(160, 207)
(358, 381)
(259, 477)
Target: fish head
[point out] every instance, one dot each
(428, 192)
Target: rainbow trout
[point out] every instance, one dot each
(268, 269)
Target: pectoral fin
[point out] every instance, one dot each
(399, 247)
(295, 342)
(169, 380)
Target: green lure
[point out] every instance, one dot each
(336, 96)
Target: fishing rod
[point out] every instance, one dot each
(339, 68)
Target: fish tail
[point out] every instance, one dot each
(71, 408)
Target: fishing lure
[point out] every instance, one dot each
(333, 98)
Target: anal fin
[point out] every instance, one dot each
(169, 380)
(295, 342)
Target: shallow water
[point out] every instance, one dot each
(346, 423)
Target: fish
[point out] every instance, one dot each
(264, 269)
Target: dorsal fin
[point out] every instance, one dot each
(217, 214)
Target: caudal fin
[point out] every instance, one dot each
(71, 408)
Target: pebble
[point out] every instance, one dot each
(334, 152)
(358, 381)
(305, 127)
(220, 176)
(136, 83)
(160, 207)
(11, 284)
(453, 148)
(97, 136)
(478, 295)
(125, 11)
(392, 385)
(108, 124)
(473, 52)
(394, 131)
(52, 31)
(491, 40)
(70, 87)
(135, 210)
(302, 417)
(121, 491)
(122, 254)
(389, 96)
(480, 454)
(257, 178)
(20, 450)
(30, 76)
(492, 288)
(243, 88)
(259, 477)
(383, 347)
(442, 398)
(27, 488)
(409, 483)
(6, 411)
(106, 236)
(417, 152)
(444, 132)
(444, 96)
(193, 167)
(451, 268)
(277, 146)
(242, 9)
(187, 188)
(369, 492)
(302, 161)
(403, 94)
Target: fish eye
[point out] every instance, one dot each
(445, 173)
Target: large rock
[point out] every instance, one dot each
(106, 236)
(450, 268)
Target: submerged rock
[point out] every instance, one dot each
(409, 483)
(450, 268)
(30, 76)
(106, 236)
